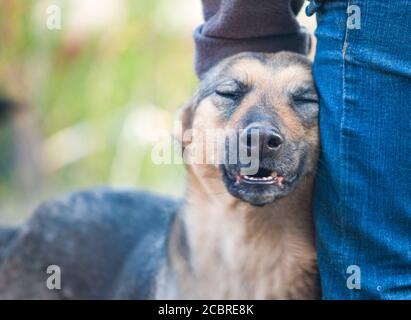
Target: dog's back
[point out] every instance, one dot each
(7, 235)
(91, 236)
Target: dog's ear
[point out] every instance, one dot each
(185, 116)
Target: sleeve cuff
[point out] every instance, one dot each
(210, 50)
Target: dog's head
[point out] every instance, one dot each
(252, 126)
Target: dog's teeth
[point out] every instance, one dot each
(269, 178)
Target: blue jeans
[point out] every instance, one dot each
(362, 202)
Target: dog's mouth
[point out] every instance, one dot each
(261, 188)
(263, 176)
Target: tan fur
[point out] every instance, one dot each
(285, 79)
(256, 72)
(243, 252)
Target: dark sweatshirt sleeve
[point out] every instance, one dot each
(233, 26)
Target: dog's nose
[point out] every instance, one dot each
(269, 140)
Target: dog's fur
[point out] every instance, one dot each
(227, 239)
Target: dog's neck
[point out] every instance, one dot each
(240, 251)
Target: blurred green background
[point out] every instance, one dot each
(90, 99)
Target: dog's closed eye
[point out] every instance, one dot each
(230, 89)
(304, 101)
(304, 96)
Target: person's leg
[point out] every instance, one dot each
(362, 199)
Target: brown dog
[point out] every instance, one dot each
(238, 234)
(250, 236)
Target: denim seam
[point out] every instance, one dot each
(344, 106)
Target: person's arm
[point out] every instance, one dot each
(233, 26)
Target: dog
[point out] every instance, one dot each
(234, 235)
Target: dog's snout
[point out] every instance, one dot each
(267, 139)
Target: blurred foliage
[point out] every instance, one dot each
(81, 85)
